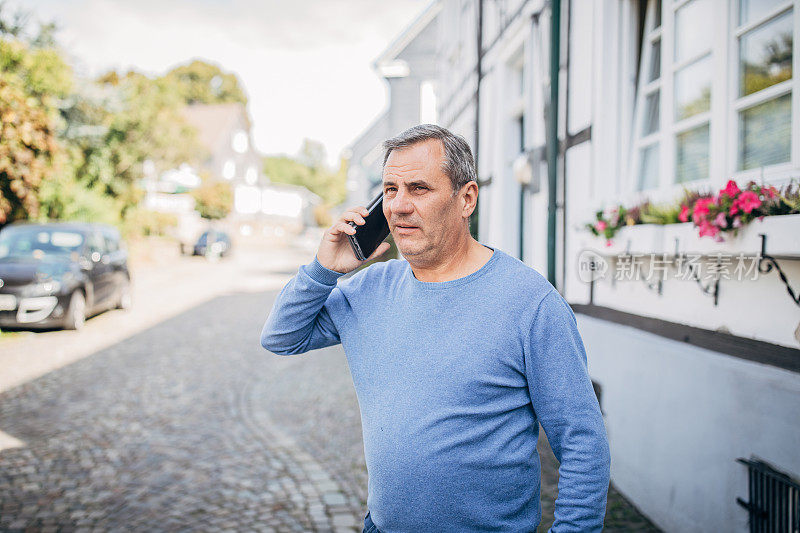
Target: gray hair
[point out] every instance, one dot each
(458, 164)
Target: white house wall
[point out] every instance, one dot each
(600, 177)
(679, 416)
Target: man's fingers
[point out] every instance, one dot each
(353, 216)
(342, 227)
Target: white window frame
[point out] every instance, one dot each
(723, 115)
(781, 172)
(643, 90)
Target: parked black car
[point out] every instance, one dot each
(58, 274)
(214, 243)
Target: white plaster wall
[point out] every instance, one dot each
(579, 202)
(679, 416)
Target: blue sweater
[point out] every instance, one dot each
(452, 380)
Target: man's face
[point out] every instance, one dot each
(424, 217)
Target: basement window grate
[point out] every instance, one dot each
(774, 504)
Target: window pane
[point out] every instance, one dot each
(691, 158)
(655, 61)
(648, 168)
(765, 133)
(750, 10)
(657, 23)
(651, 111)
(693, 89)
(765, 55)
(693, 29)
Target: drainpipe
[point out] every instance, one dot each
(552, 145)
(479, 75)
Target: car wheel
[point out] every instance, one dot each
(124, 301)
(76, 312)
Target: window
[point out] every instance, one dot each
(229, 170)
(251, 176)
(427, 102)
(763, 105)
(648, 121)
(692, 68)
(709, 104)
(240, 142)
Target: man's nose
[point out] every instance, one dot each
(401, 203)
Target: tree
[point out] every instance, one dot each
(28, 147)
(213, 200)
(145, 123)
(32, 81)
(201, 82)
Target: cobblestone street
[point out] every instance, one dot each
(188, 424)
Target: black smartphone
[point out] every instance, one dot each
(372, 233)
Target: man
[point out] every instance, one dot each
(457, 354)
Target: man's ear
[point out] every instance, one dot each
(469, 198)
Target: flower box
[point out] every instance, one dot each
(782, 231)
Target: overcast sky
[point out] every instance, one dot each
(304, 64)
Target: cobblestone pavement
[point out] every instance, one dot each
(190, 425)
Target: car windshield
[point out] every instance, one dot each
(39, 242)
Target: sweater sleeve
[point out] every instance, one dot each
(301, 318)
(564, 402)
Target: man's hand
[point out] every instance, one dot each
(335, 252)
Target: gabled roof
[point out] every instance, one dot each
(409, 34)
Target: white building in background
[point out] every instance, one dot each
(409, 67)
(225, 132)
(651, 97)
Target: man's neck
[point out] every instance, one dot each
(467, 258)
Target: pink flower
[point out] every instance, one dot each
(734, 209)
(731, 189)
(600, 226)
(769, 192)
(608, 242)
(701, 208)
(720, 221)
(684, 216)
(706, 228)
(748, 201)
(737, 222)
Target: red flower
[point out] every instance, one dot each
(734, 208)
(707, 228)
(770, 192)
(731, 189)
(684, 216)
(748, 201)
(701, 208)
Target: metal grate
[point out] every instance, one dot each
(774, 504)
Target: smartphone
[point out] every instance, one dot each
(372, 233)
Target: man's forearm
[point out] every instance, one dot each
(584, 476)
(298, 321)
